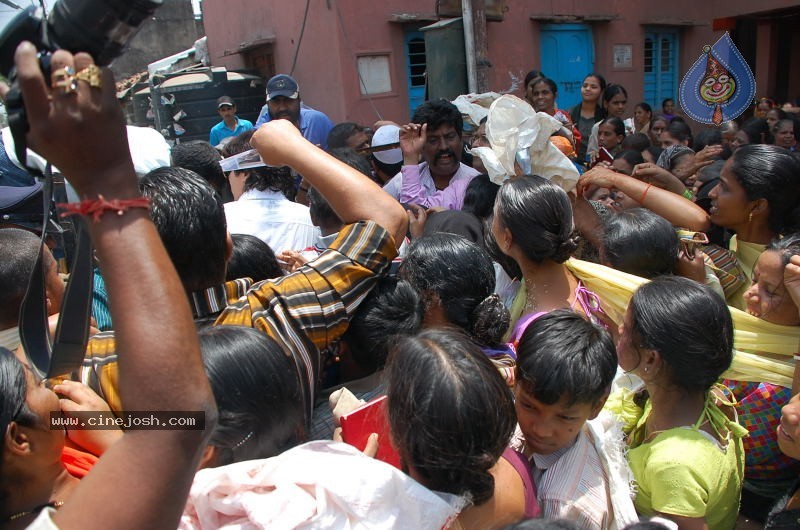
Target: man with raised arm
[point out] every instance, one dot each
(309, 310)
(440, 179)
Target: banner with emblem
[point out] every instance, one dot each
(719, 86)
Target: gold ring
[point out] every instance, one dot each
(64, 78)
(92, 75)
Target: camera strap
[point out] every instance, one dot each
(18, 123)
(68, 349)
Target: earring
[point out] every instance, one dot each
(750, 217)
(645, 369)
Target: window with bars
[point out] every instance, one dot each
(666, 56)
(648, 55)
(416, 62)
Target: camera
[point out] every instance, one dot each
(101, 28)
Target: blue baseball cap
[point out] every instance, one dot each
(282, 85)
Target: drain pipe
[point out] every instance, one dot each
(469, 46)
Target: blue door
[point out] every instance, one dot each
(416, 64)
(567, 56)
(660, 67)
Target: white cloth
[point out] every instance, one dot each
(514, 126)
(271, 217)
(606, 434)
(44, 521)
(322, 484)
(149, 150)
(9, 338)
(475, 107)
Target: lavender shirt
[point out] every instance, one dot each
(414, 184)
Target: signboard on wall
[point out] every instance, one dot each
(623, 56)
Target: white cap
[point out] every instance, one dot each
(387, 134)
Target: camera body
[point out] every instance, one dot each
(101, 28)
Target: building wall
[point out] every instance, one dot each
(229, 23)
(326, 67)
(173, 29)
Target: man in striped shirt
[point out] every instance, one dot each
(308, 311)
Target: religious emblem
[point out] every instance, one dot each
(719, 86)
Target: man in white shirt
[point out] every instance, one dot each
(264, 211)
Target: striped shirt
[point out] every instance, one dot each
(305, 312)
(309, 310)
(571, 484)
(99, 370)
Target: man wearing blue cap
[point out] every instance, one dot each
(283, 101)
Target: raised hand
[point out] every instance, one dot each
(412, 140)
(76, 122)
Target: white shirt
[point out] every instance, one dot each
(271, 217)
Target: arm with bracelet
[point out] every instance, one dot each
(77, 124)
(674, 208)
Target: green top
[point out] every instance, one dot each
(687, 472)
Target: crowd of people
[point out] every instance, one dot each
(614, 355)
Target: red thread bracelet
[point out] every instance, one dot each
(97, 207)
(644, 195)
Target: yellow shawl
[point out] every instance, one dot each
(751, 335)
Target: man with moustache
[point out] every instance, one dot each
(283, 102)
(440, 179)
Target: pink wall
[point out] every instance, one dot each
(368, 30)
(326, 67)
(229, 22)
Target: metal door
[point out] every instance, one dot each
(567, 55)
(660, 67)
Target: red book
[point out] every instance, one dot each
(365, 420)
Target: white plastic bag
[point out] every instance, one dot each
(475, 107)
(513, 125)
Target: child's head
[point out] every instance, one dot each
(565, 365)
(639, 242)
(767, 298)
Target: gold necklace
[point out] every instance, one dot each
(53, 504)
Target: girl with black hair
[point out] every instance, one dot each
(657, 128)
(257, 392)
(533, 225)
(451, 417)
(590, 110)
(676, 133)
(541, 94)
(615, 102)
(753, 131)
(686, 449)
(456, 279)
(610, 134)
(642, 116)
